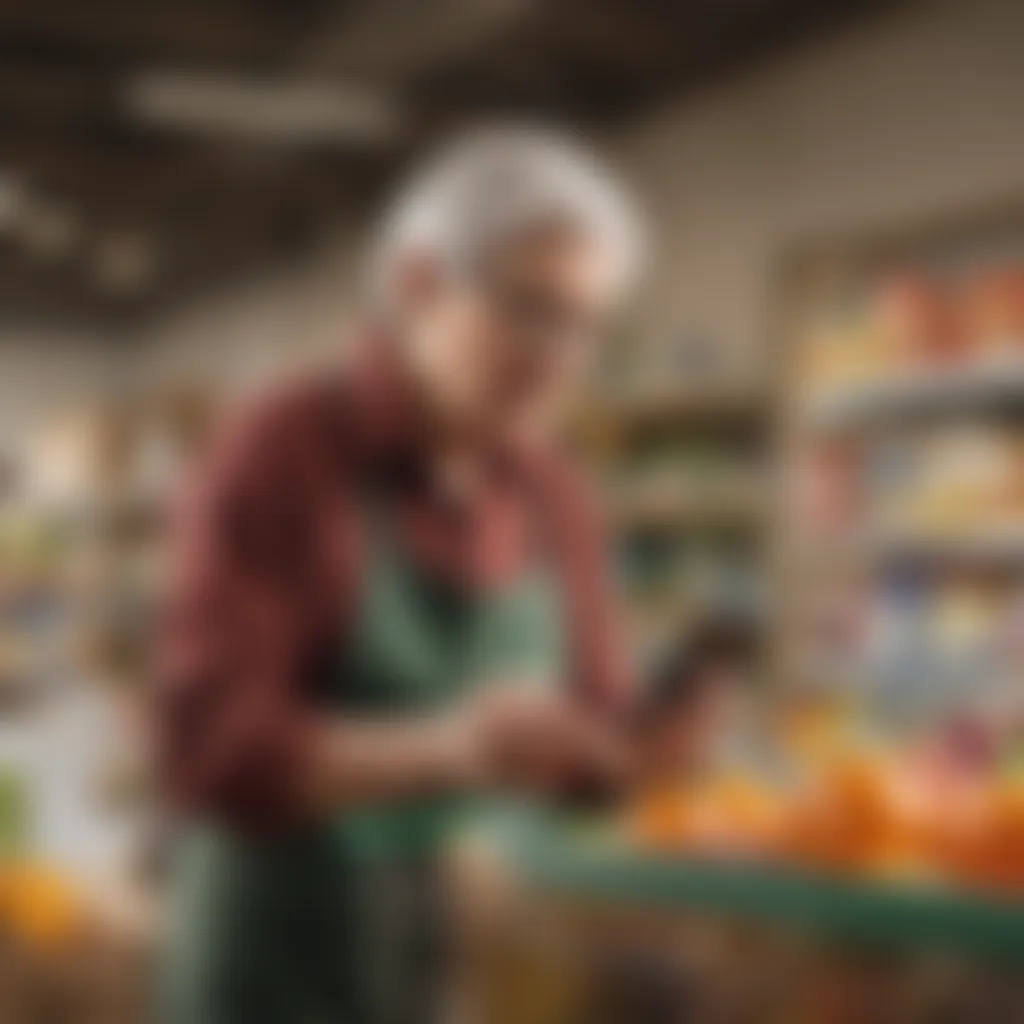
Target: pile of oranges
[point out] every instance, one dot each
(860, 813)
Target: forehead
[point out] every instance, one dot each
(561, 253)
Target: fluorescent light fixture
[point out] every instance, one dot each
(262, 109)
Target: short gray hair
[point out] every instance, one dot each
(494, 184)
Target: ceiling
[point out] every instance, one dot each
(152, 149)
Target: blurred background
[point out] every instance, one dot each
(810, 421)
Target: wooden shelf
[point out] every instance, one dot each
(955, 389)
(1002, 548)
(688, 507)
(672, 403)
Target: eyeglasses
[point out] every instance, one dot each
(540, 316)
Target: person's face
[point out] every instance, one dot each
(502, 344)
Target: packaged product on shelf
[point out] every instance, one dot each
(992, 307)
(916, 317)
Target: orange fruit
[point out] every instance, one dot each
(862, 814)
(39, 906)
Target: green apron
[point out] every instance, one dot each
(344, 923)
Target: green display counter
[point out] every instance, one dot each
(892, 915)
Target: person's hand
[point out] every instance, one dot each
(509, 736)
(535, 739)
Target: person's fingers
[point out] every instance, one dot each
(538, 738)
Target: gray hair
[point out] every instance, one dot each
(495, 184)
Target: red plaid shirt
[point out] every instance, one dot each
(266, 574)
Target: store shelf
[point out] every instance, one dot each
(675, 402)
(994, 548)
(890, 915)
(953, 389)
(688, 507)
(1000, 546)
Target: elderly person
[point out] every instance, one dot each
(390, 594)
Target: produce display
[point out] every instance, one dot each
(864, 815)
(837, 877)
(903, 592)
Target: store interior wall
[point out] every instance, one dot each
(912, 114)
(44, 372)
(275, 323)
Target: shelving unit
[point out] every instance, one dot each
(729, 504)
(902, 433)
(80, 531)
(676, 401)
(936, 393)
(681, 462)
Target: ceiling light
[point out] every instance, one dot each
(272, 111)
